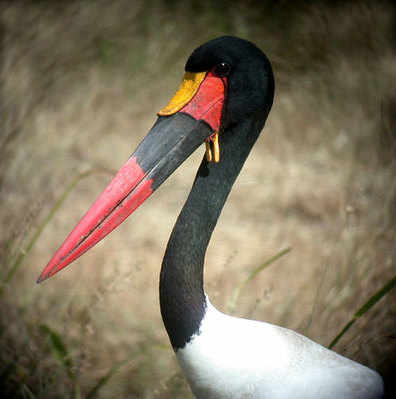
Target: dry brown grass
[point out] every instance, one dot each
(81, 83)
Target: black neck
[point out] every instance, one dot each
(182, 296)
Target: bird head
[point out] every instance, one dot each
(227, 81)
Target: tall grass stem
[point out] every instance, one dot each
(365, 308)
(253, 274)
(25, 251)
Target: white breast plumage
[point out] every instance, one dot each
(240, 358)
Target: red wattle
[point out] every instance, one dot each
(207, 104)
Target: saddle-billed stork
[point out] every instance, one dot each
(223, 100)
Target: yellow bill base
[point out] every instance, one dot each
(188, 87)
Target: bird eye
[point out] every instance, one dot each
(222, 69)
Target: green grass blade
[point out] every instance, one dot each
(365, 308)
(253, 274)
(27, 393)
(77, 391)
(59, 349)
(103, 380)
(18, 262)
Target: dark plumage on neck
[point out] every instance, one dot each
(182, 296)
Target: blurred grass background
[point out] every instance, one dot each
(81, 82)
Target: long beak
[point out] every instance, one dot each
(191, 117)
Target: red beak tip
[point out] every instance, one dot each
(43, 277)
